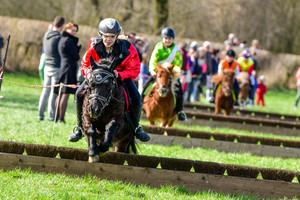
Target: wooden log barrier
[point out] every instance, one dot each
(154, 177)
(226, 146)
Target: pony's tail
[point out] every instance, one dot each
(132, 146)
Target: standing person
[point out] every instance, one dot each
(105, 48)
(1, 46)
(298, 88)
(68, 48)
(261, 91)
(167, 51)
(50, 45)
(196, 70)
(211, 69)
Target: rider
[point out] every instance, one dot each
(106, 47)
(229, 63)
(167, 51)
(246, 64)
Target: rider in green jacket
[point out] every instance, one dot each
(167, 51)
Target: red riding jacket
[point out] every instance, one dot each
(128, 66)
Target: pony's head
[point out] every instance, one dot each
(227, 82)
(244, 84)
(101, 86)
(164, 78)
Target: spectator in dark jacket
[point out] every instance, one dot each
(1, 46)
(68, 48)
(50, 46)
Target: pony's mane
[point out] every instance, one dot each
(217, 79)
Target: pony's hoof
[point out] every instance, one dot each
(101, 154)
(93, 159)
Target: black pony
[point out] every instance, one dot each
(105, 119)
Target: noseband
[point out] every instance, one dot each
(164, 86)
(97, 77)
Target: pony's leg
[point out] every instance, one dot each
(93, 148)
(152, 122)
(171, 121)
(110, 132)
(163, 122)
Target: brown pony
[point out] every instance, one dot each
(224, 99)
(244, 84)
(159, 102)
(105, 121)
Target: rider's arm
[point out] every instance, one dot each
(130, 67)
(178, 60)
(85, 63)
(154, 59)
(220, 68)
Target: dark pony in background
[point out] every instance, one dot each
(224, 99)
(105, 121)
(159, 103)
(244, 84)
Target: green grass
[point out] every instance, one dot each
(18, 122)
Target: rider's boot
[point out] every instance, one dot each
(179, 101)
(77, 131)
(179, 107)
(138, 129)
(212, 99)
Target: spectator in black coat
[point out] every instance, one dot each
(68, 48)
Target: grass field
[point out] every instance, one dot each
(18, 122)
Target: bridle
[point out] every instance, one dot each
(167, 87)
(225, 87)
(98, 77)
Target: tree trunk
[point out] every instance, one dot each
(161, 14)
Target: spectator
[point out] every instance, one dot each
(1, 46)
(196, 70)
(260, 92)
(144, 72)
(68, 48)
(254, 45)
(43, 61)
(185, 69)
(211, 68)
(298, 88)
(50, 45)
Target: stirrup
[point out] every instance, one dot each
(77, 134)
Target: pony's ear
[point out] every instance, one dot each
(170, 67)
(93, 64)
(159, 66)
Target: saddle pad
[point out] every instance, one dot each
(126, 99)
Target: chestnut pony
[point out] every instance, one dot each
(224, 99)
(159, 103)
(244, 84)
(105, 120)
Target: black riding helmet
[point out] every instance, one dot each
(168, 32)
(230, 53)
(109, 25)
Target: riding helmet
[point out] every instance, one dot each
(168, 32)
(230, 53)
(246, 53)
(109, 25)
